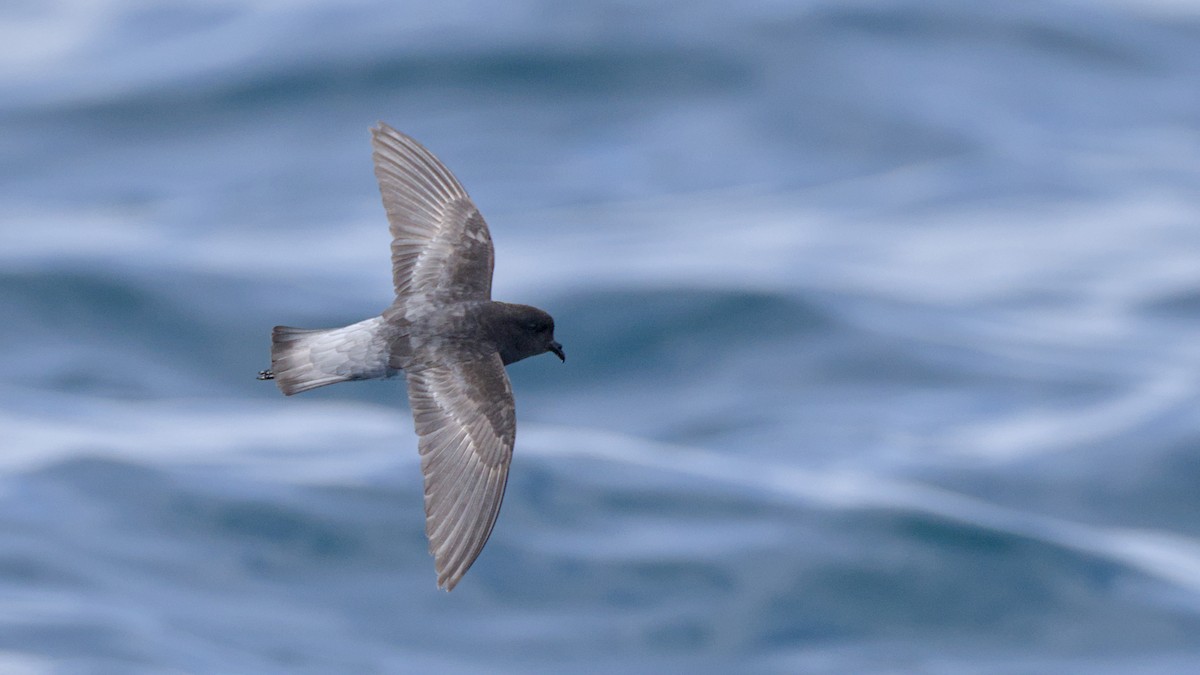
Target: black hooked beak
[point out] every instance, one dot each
(557, 349)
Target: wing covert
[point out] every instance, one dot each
(440, 242)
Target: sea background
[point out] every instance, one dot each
(881, 321)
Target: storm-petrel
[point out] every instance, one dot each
(448, 337)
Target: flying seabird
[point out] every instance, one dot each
(448, 337)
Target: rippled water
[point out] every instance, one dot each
(882, 321)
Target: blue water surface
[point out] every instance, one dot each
(882, 321)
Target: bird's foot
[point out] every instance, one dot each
(266, 375)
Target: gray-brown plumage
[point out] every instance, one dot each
(450, 339)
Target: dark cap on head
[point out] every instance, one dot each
(522, 331)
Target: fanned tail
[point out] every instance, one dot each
(303, 359)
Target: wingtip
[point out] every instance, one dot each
(385, 129)
(384, 135)
(381, 128)
(448, 583)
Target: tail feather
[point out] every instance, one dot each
(303, 359)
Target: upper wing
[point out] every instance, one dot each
(463, 412)
(440, 243)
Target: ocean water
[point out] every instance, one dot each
(882, 321)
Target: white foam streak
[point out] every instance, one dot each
(1169, 557)
(45, 35)
(1042, 430)
(15, 663)
(64, 50)
(34, 236)
(1159, 9)
(288, 440)
(957, 256)
(1100, 257)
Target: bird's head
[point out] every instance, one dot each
(530, 332)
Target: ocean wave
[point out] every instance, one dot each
(757, 556)
(328, 442)
(880, 321)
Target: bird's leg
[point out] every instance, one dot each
(266, 375)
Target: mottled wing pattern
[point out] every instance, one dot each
(441, 247)
(462, 408)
